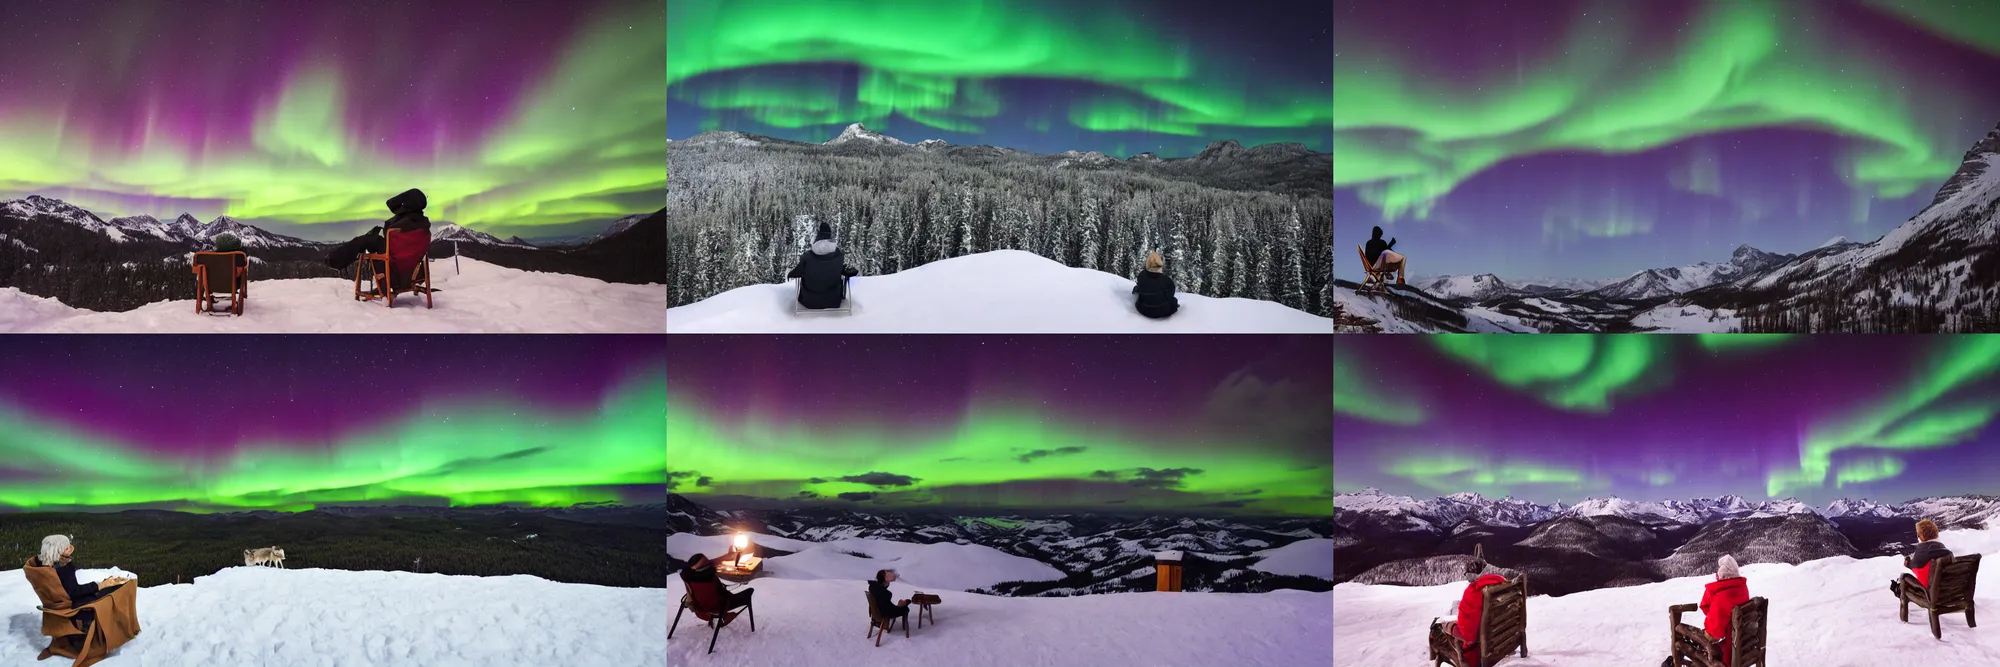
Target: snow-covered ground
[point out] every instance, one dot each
(1004, 291)
(812, 623)
(244, 616)
(478, 298)
(1304, 558)
(1828, 612)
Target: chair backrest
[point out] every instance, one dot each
(873, 613)
(707, 597)
(1503, 620)
(1953, 579)
(47, 585)
(406, 250)
(1747, 624)
(221, 269)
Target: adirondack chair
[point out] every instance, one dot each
(218, 273)
(1503, 628)
(1692, 647)
(403, 267)
(1952, 581)
(705, 598)
(1376, 280)
(876, 621)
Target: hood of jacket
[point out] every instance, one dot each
(1724, 585)
(410, 201)
(824, 246)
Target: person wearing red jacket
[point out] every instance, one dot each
(1919, 561)
(1470, 606)
(1718, 600)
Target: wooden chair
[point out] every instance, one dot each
(876, 621)
(1692, 647)
(1503, 628)
(218, 273)
(377, 266)
(1376, 280)
(705, 599)
(1953, 579)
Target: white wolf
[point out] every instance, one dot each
(265, 556)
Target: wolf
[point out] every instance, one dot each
(265, 556)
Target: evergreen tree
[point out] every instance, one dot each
(1088, 234)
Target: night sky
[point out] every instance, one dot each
(1117, 76)
(1889, 418)
(1571, 138)
(511, 116)
(291, 422)
(1009, 422)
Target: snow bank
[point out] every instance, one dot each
(1004, 291)
(268, 616)
(484, 298)
(944, 566)
(1304, 558)
(813, 623)
(1812, 604)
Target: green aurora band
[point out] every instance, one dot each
(1404, 142)
(474, 454)
(933, 62)
(762, 457)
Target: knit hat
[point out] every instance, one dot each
(1725, 568)
(227, 243)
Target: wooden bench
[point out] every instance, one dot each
(1692, 647)
(1503, 628)
(1952, 582)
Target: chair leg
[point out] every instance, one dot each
(906, 626)
(878, 636)
(711, 637)
(677, 621)
(1936, 631)
(1904, 600)
(753, 616)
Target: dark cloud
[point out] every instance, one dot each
(672, 476)
(808, 494)
(1228, 503)
(955, 458)
(1039, 453)
(858, 496)
(881, 479)
(1251, 492)
(815, 480)
(1148, 478)
(703, 480)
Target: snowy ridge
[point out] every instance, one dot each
(452, 231)
(1445, 512)
(960, 295)
(183, 229)
(856, 132)
(1655, 283)
(1478, 288)
(310, 616)
(1810, 602)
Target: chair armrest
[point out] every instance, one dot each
(1674, 612)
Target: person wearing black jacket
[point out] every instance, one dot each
(1156, 290)
(822, 272)
(1920, 559)
(701, 570)
(58, 553)
(1382, 255)
(878, 590)
(406, 215)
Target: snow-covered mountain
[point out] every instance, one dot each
(1835, 241)
(250, 235)
(451, 231)
(856, 132)
(1479, 287)
(338, 617)
(1655, 283)
(184, 229)
(617, 226)
(960, 295)
(1444, 513)
(1831, 611)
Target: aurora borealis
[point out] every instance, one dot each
(1117, 76)
(1157, 423)
(1651, 417)
(1595, 139)
(288, 423)
(511, 116)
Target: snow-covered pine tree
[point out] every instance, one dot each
(1177, 265)
(1218, 258)
(1087, 235)
(965, 216)
(1239, 270)
(1295, 281)
(803, 228)
(1260, 274)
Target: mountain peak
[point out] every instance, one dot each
(1837, 240)
(1221, 149)
(859, 132)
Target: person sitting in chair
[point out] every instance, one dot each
(1470, 606)
(1718, 601)
(878, 590)
(1381, 255)
(229, 243)
(1919, 561)
(57, 552)
(407, 215)
(822, 272)
(701, 570)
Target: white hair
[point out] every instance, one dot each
(1725, 568)
(52, 549)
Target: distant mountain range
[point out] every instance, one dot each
(1100, 553)
(1937, 272)
(187, 229)
(1601, 542)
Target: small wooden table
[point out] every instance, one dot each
(924, 602)
(727, 568)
